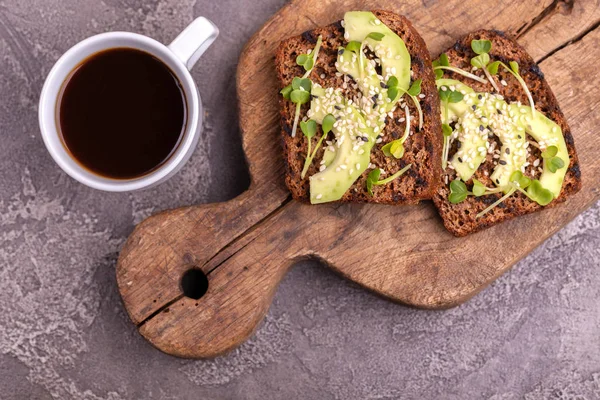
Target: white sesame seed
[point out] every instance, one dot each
(319, 196)
(503, 82)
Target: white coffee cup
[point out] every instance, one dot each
(180, 56)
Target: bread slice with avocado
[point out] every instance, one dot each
(507, 147)
(359, 112)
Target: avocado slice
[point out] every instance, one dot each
(391, 50)
(350, 158)
(547, 133)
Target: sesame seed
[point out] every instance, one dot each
(343, 166)
(422, 96)
(319, 196)
(503, 82)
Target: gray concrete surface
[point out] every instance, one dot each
(533, 334)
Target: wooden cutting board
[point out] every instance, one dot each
(245, 246)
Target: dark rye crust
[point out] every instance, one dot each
(423, 149)
(459, 219)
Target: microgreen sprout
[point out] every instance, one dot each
(373, 178)
(554, 163)
(298, 92)
(481, 61)
(309, 129)
(459, 191)
(518, 182)
(447, 96)
(514, 70)
(442, 63)
(413, 92)
(309, 61)
(395, 148)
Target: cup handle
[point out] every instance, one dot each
(194, 40)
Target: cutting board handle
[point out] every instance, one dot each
(171, 256)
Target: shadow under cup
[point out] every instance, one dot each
(121, 113)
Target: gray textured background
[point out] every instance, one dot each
(533, 334)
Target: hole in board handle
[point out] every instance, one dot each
(194, 283)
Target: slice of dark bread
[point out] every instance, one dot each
(423, 149)
(460, 219)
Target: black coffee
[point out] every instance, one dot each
(122, 113)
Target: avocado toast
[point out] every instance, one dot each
(359, 112)
(508, 150)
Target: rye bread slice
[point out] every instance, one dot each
(423, 149)
(460, 219)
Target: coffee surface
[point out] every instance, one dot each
(122, 113)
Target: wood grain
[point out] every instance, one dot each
(246, 245)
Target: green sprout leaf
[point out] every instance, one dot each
(518, 178)
(455, 97)
(376, 36)
(301, 59)
(481, 61)
(478, 188)
(353, 46)
(514, 66)
(555, 164)
(450, 96)
(438, 73)
(444, 62)
(392, 92)
(446, 130)
(392, 82)
(300, 96)
(309, 64)
(309, 128)
(481, 46)
(306, 84)
(394, 148)
(458, 192)
(372, 178)
(286, 91)
(303, 83)
(415, 88)
(328, 122)
(551, 151)
(493, 67)
(539, 194)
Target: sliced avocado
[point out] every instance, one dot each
(391, 50)
(547, 133)
(455, 109)
(347, 63)
(513, 153)
(472, 133)
(350, 159)
(473, 148)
